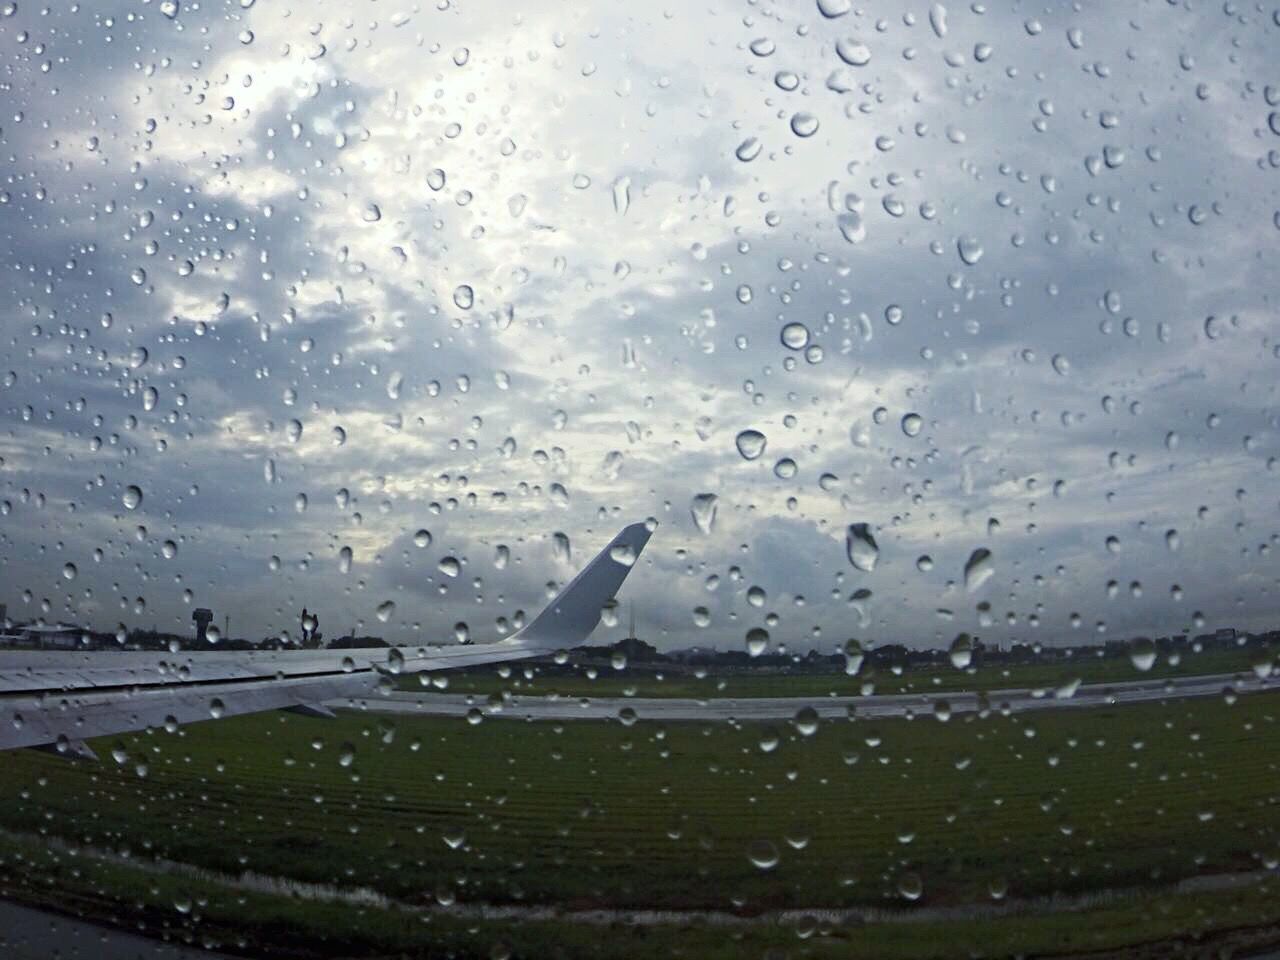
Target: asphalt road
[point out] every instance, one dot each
(727, 709)
(30, 934)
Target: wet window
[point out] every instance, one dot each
(734, 479)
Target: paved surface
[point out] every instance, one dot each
(552, 707)
(29, 934)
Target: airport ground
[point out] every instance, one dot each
(656, 680)
(1132, 828)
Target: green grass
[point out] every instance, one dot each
(642, 681)
(601, 814)
(587, 814)
(208, 913)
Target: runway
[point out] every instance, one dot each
(942, 705)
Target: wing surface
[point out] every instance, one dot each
(58, 699)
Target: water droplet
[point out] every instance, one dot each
(1142, 653)
(216, 708)
(978, 569)
(560, 547)
(757, 641)
(804, 124)
(751, 444)
(853, 657)
(853, 52)
(938, 20)
(834, 8)
(703, 509)
(961, 652)
(747, 150)
(132, 497)
(622, 195)
(763, 854)
(806, 721)
(449, 566)
(623, 553)
(346, 754)
(436, 179)
(344, 560)
(795, 336)
(464, 297)
(910, 886)
(371, 213)
(861, 547)
(912, 424)
(785, 468)
(970, 249)
(852, 227)
(385, 610)
(1066, 691)
(1262, 664)
(69, 571)
(422, 539)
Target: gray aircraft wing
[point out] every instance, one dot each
(57, 700)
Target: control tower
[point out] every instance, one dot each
(201, 616)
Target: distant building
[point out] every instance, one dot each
(202, 616)
(45, 636)
(632, 647)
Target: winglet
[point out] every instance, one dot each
(569, 619)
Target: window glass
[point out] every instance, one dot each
(935, 344)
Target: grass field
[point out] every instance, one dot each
(601, 814)
(212, 915)
(645, 682)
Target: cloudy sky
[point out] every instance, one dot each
(317, 276)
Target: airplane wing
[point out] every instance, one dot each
(56, 700)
